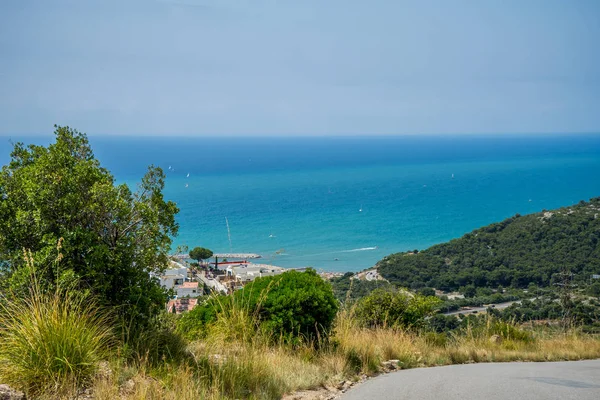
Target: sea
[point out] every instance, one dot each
(341, 204)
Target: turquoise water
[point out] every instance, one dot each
(298, 202)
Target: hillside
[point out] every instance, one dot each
(515, 252)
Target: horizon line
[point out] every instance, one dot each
(306, 136)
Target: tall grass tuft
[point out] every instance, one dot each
(51, 342)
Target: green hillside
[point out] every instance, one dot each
(516, 252)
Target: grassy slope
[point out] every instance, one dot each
(515, 252)
(254, 369)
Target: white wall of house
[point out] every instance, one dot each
(188, 291)
(170, 281)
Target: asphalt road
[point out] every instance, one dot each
(511, 381)
(499, 306)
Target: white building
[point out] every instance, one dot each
(174, 277)
(188, 289)
(249, 272)
(177, 279)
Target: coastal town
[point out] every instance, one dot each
(222, 273)
(190, 280)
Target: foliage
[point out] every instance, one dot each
(346, 288)
(486, 326)
(200, 253)
(516, 252)
(426, 291)
(582, 312)
(160, 342)
(293, 304)
(453, 305)
(50, 343)
(114, 241)
(594, 289)
(443, 323)
(383, 308)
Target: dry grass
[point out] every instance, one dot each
(51, 346)
(241, 368)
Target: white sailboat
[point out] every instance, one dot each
(188, 175)
(360, 209)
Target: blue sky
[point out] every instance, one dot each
(304, 67)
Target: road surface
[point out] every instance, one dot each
(498, 381)
(471, 310)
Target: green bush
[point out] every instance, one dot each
(159, 343)
(394, 309)
(194, 324)
(440, 323)
(436, 339)
(291, 305)
(486, 326)
(51, 343)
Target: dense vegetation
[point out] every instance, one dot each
(347, 288)
(396, 309)
(62, 206)
(516, 252)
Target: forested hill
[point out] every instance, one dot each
(515, 252)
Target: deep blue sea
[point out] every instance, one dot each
(340, 204)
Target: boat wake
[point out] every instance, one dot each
(340, 251)
(361, 249)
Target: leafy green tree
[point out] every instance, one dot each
(200, 253)
(112, 240)
(468, 291)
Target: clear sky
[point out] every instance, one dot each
(299, 67)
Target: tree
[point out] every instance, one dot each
(112, 240)
(468, 291)
(200, 253)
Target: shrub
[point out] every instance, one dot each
(51, 343)
(443, 323)
(194, 324)
(159, 343)
(288, 306)
(436, 339)
(394, 309)
(487, 326)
